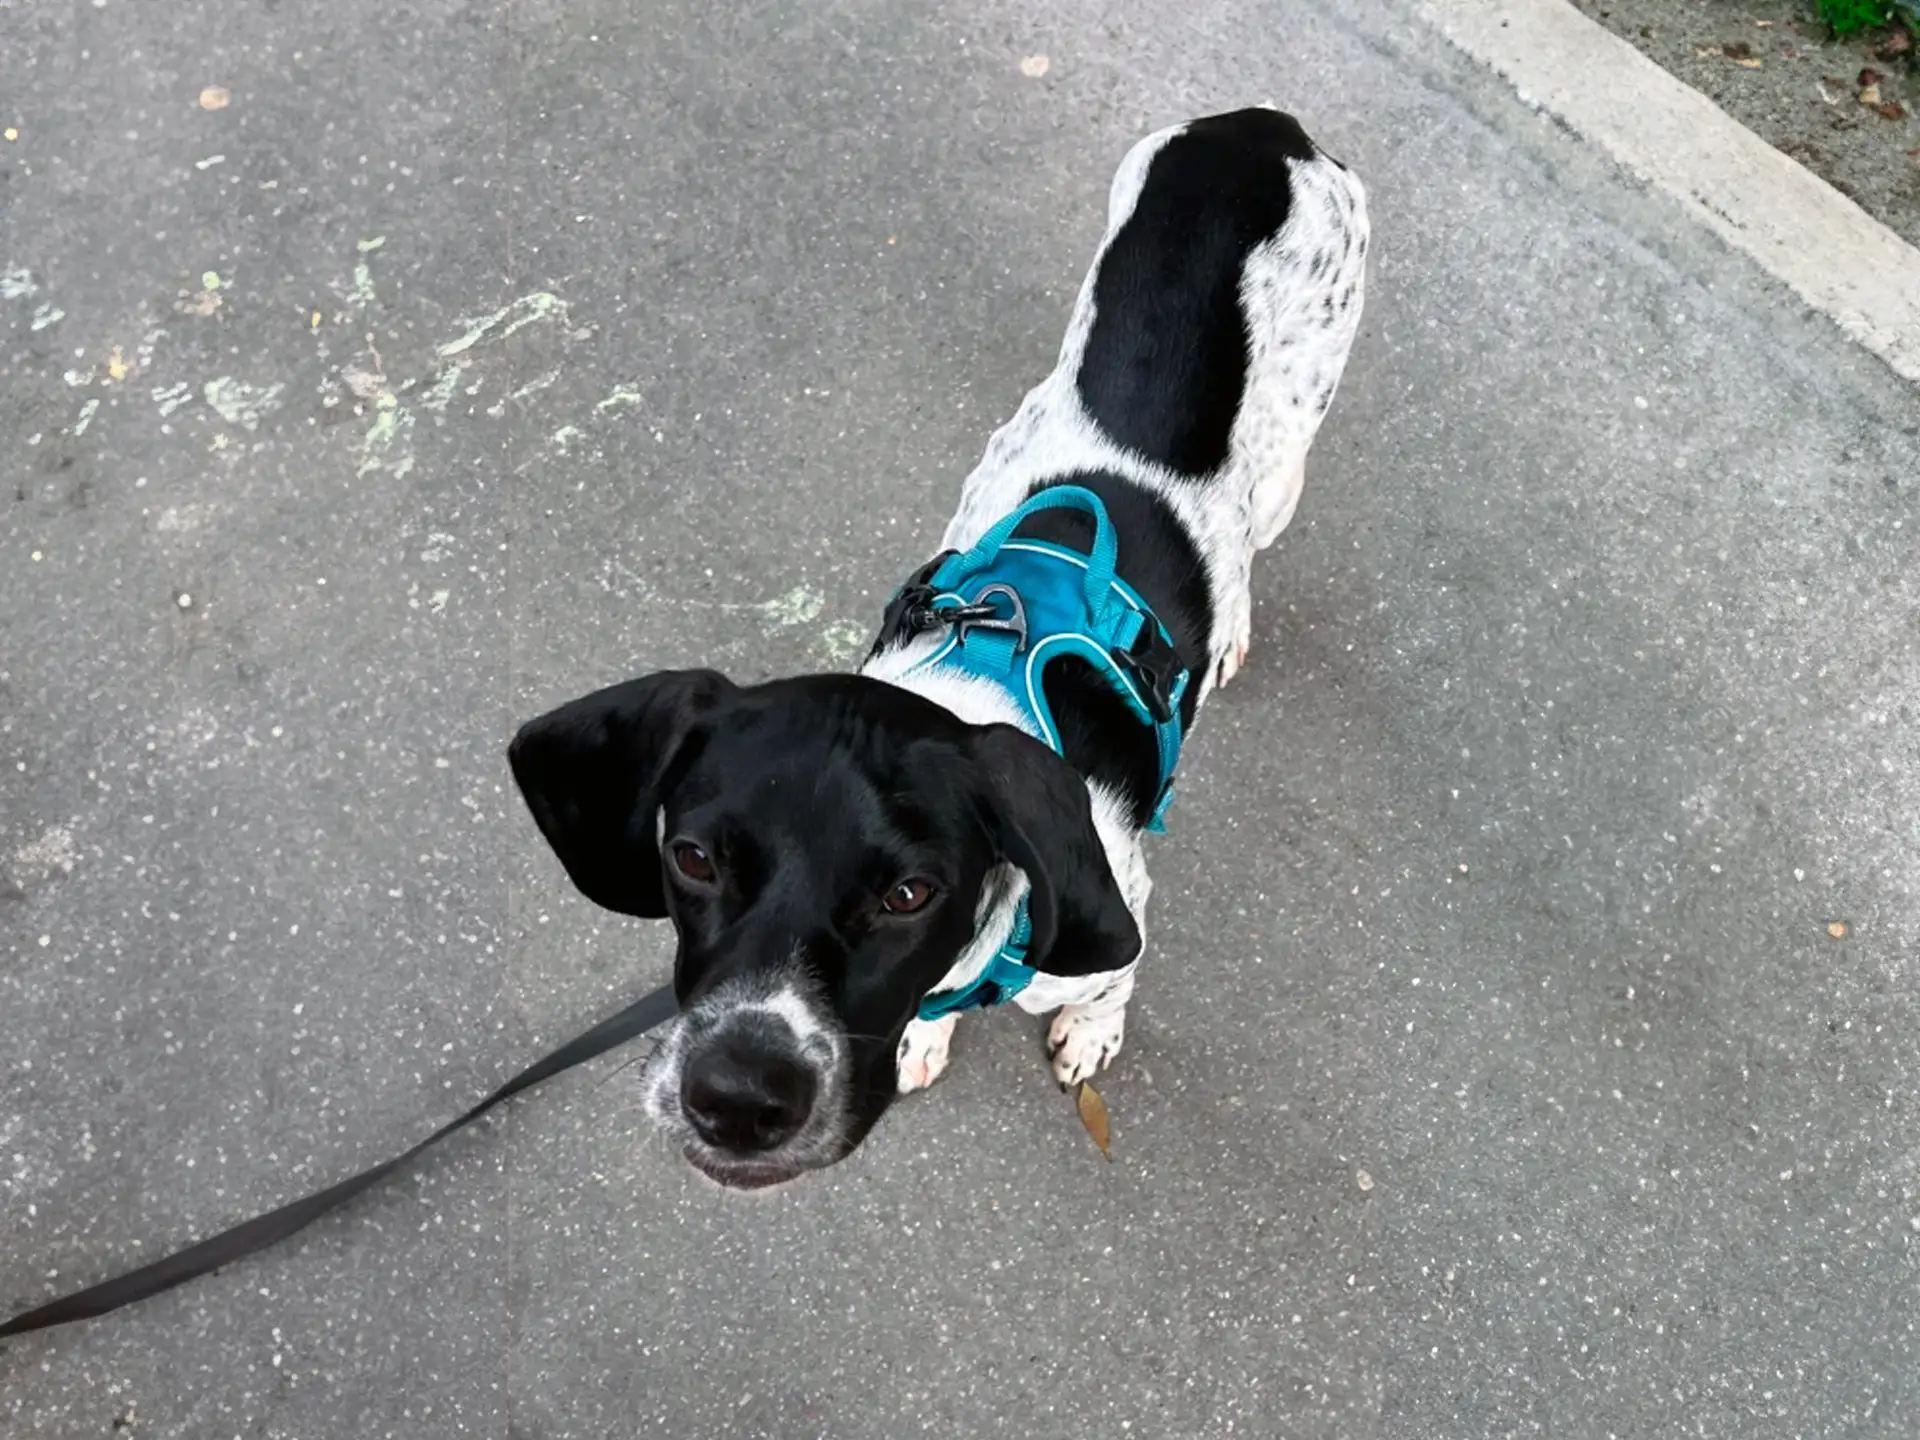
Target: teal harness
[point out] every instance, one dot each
(1011, 607)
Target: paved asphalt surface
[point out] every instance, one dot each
(1494, 1071)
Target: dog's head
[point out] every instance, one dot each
(825, 847)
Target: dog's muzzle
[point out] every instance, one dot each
(752, 1088)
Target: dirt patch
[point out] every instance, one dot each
(1778, 71)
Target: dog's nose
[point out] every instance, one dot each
(741, 1096)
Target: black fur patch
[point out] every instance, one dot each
(1166, 360)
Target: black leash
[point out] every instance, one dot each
(263, 1230)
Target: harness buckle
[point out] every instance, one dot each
(1155, 664)
(911, 610)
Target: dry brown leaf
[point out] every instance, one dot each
(1093, 1115)
(1870, 76)
(1893, 110)
(215, 97)
(1837, 929)
(1897, 43)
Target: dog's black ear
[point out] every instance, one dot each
(1038, 810)
(593, 774)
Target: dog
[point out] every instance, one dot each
(850, 859)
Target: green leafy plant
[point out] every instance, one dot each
(1847, 16)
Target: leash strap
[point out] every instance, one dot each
(263, 1230)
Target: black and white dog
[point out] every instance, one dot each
(834, 848)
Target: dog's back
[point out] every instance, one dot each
(1206, 345)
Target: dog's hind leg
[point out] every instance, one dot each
(1276, 495)
(1239, 613)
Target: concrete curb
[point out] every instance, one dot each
(1834, 255)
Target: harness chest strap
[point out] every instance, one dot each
(1011, 607)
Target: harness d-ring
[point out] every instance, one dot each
(981, 615)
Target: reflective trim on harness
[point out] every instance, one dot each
(1006, 975)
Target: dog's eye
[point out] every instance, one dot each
(694, 863)
(908, 896)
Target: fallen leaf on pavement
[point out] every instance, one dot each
(1093, 1115)
(1837, 929)
(1870, 96)
(214, 97)
(1893, 110)
(1897, 43)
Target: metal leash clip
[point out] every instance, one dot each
(983, 615)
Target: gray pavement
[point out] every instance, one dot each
(1582, 704)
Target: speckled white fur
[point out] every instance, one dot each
(1301, 327)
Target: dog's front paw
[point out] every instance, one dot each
(924, 1052)
(1081, 1045)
